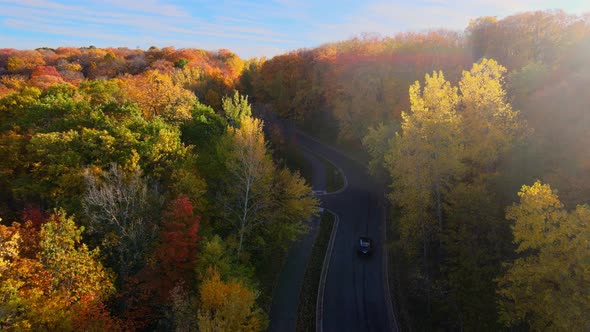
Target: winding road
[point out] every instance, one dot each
(355, 295)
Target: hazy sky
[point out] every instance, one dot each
(249, 28)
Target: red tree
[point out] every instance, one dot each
(34, 214)
(45, 71)
(177, 251)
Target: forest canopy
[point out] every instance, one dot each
(147, 189)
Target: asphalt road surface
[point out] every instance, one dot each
(355, 298)
(283, 313)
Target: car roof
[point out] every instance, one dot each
(365, 241)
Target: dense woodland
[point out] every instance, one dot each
(136, 205)
(138, 191)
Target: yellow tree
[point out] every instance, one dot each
(293, 203)
(50, 290)
(425, 158)
(227, 306)
(548, 285)
(74, 269)
(157, 95)
(257, 193)
(490, 124)
(248, 192)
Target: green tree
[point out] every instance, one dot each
(215, 254)
(475, 242)
(236, 108)
(205, 128)
(181, 63)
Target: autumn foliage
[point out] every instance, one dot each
(177, 204)
(227, 306)
(552, 266)
(52, 289)
(178, 249)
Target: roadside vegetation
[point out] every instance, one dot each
(295, 160)
(306, 310)
(474, 134)
(139, 192)
(334, 179)
(123, 196)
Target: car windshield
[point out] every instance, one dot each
(364, 243)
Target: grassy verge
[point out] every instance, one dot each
(309, 289)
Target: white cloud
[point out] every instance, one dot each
(91, 35)
(248, 27)
(387, 17)
(146, 6)
(127, 21)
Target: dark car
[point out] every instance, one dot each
(365, 246)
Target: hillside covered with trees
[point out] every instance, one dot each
(139, 191)
(475, 133)
(136, 206)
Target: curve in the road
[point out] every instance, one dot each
(340, 171)
(356, 289)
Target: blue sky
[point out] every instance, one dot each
(249, 28)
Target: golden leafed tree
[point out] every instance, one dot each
(51, 288)
(227, 306)
(489, 122)
(157, 95)
(426, 156)
(547, 286)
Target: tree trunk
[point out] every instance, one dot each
(439, 216)
(241, 241)
(426, 274)
(244, 216)
(439, 206)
